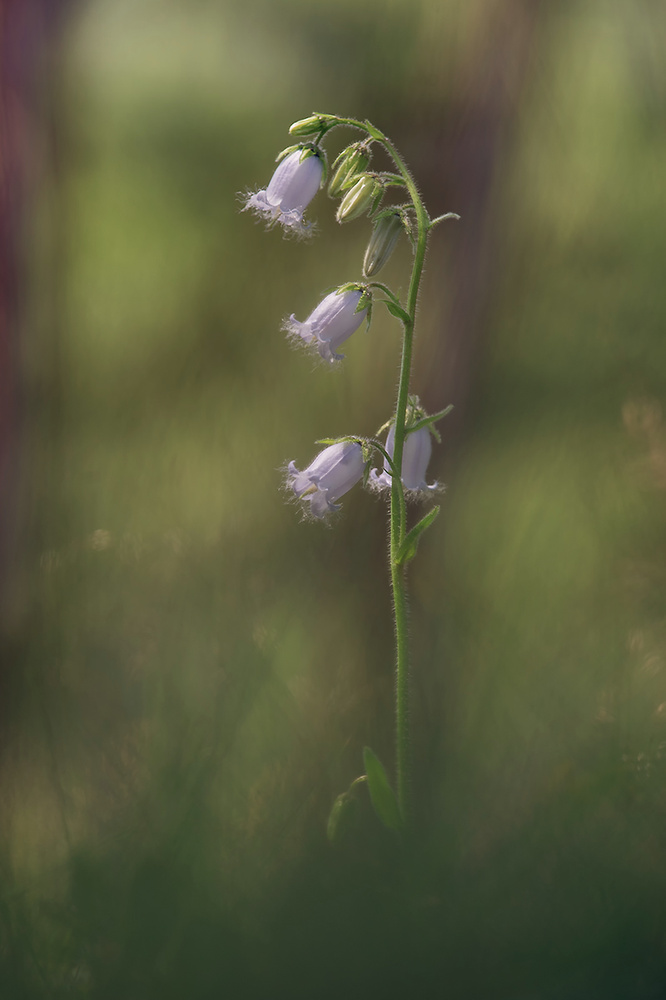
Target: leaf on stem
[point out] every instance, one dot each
(410, 543)
(341, 817)
(397, 311)
(382, 795)
(428, 421)
(443, 218)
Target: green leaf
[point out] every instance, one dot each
(397, 311)
(442, 218)
(341, 817)
(428, 421)
(382, 795)
(410, 543)
(373, 131)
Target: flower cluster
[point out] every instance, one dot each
(301, 171)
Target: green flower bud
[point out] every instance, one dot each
(350, 163)
(308, 126)
(362, 197)
(382, 242)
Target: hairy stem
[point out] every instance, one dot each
(398, 512)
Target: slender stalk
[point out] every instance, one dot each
(398, 515)
(398, 512)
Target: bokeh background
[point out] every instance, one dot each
(189, 673)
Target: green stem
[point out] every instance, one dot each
(398, 512)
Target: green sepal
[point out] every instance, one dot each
(367, 447)
(349, 285)
(382, 795)
(393, 180)
(341, 817)
(410, 542)
(377, 202)
(365, 301)
(307, 149)
(341, 440)
(397, 311)
(386, 426)
(286, 152)
(429, 421)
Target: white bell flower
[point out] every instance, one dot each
(328, 477)
(333, 321)
(415, 457)
(292, 187)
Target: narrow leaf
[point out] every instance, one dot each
(341, 817)
(427, 421)
(381, 794)
(397, 311)
(442, 218)
(410, 543)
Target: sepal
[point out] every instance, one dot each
(284, 153)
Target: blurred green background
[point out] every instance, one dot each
(193, 672)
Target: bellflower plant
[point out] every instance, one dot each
(345, 461)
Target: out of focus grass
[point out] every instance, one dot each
(196, 671)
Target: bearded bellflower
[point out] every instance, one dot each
(292, 187)
(328, 477)
(332, 322)
(415, 457)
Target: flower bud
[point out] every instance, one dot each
(360, 199)
(382, 242)
(351, 162)
(308, 126)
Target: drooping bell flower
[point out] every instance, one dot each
(328, 477)
(416, 454)
(292, 187)
(332, 322)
